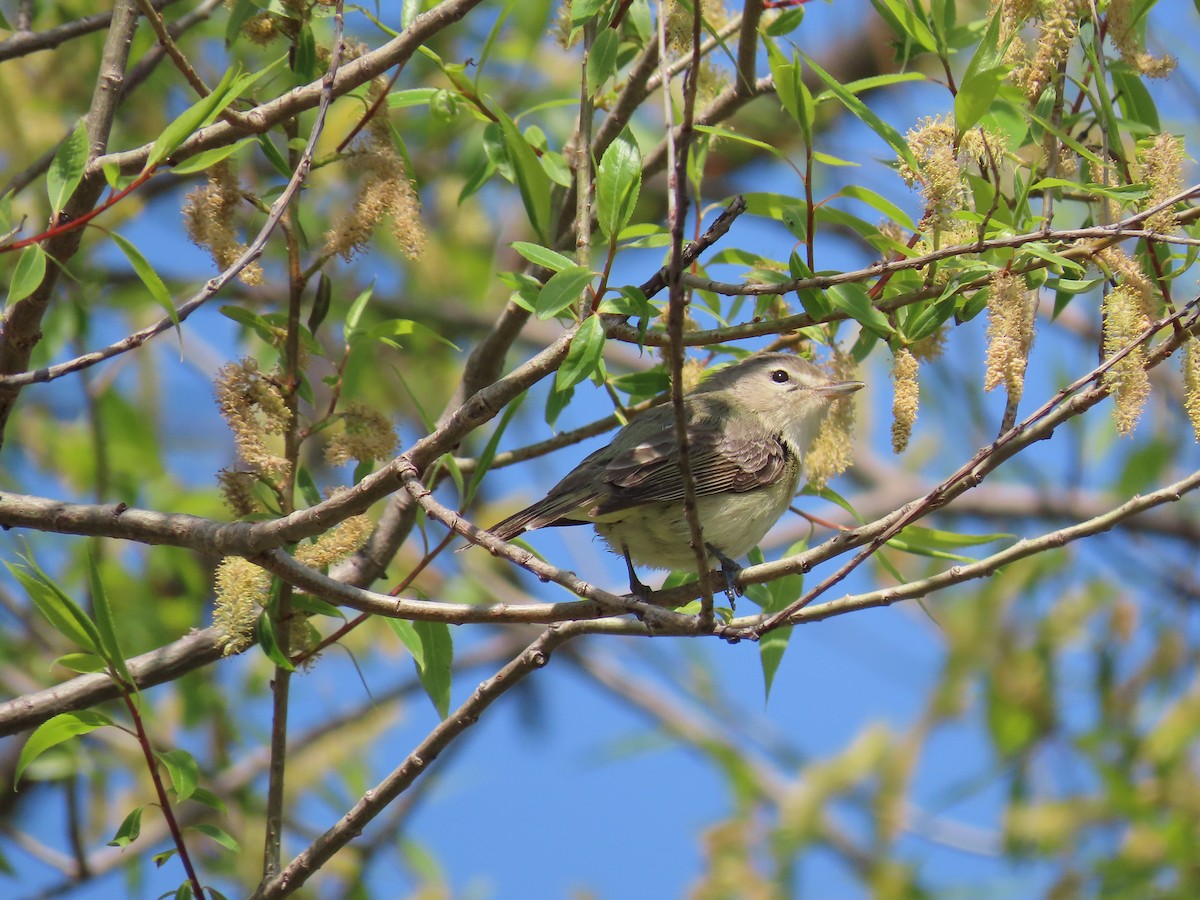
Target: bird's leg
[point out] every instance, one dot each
(636, 587)
(730, 570)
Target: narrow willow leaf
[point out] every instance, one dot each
(55, 731)
(584, 354)
(781, 593)
(105, 626)
(30, 270)
(531, 178)
(437, 651)
(602, 60)
(154, 284)
(264, 631)
(409, 638)
(60, 610)
(543, 256)
(196, 116)
(618, 184)
(129, 829)
(222, 837)
(183, 769)
(853, 300)
(893, 137)
(562, 290)
(66, 169)
(209, 158)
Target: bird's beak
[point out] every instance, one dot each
(838, 388)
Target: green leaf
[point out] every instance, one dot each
(531, 178)
(437, 657)
(129, 829)
(209, 799)
(274, 157)
(880, 204)
(30, 270)
(196, 116)
(85, 663)
(316, 606)
(583, 356)
(209, 158)
(543, 256)
(264, 631)
(184, 771)
(854, 301)
(562, 290)
(618, 184)
(154, 284)
(828, 160)
(102, 611)
(975, 96)
(354, 314)
(602, 59)
(556, 402)
(304, 55)
(782, 592)
(55, 731)
(398, 328)
(793, 93)
(582, 10)
(937, 539)
(906, 20)
(66, 169)
(770, 205)
(1135, 101)
(893, 137)
(412, 97)
(222, 837)
(409, 638)
(60, 610)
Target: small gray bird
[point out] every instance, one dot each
(748, 425)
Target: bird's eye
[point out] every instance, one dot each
(780, 376)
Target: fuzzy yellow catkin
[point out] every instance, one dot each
(1161, 162)
(1190, 360)
(253, 406)
(832, 451)
(366, 434)
(386, 192)
(1127, 380)
(335, 544)
(906, 396)
(1123, 32)
(1056, 34)
(237, 490)
(1009, 335)
(208, 218)
(938, 175)
(241, 589)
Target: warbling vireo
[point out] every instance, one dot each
(748, 426)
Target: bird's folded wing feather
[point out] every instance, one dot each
(720, 463)
(632, 472)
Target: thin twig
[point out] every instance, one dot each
(678, 150)
(24, 42)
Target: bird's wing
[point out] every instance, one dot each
(720, 461)
(633, 471)
(577, 491)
